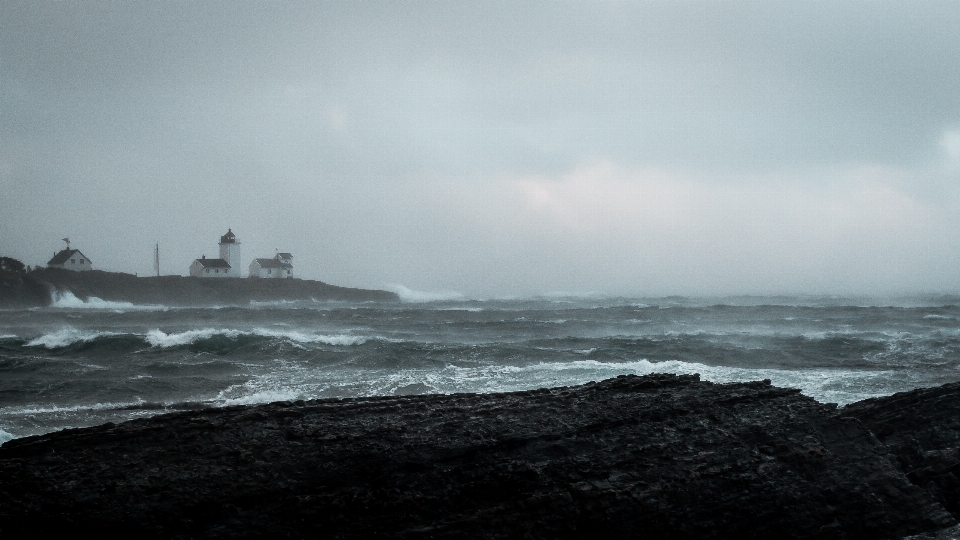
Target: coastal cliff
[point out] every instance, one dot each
(37, 288)
(22, 290)
(659, 456)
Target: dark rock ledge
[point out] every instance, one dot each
(659, 456)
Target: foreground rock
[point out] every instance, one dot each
(658, 456)
(921, 428)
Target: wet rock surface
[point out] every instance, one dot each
(659, 456)
(921, 429)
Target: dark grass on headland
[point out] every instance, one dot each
(34, 289)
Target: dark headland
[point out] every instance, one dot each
(38, 287)
(659, 456)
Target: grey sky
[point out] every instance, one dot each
(493, 148)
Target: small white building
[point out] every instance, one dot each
(280, 266)
(212, 268)
(227, 266)
(70, 259)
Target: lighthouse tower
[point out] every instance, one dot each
(230, 252)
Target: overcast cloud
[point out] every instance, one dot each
(493, 148)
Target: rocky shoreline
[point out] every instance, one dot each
(658, 456)
(38, 287)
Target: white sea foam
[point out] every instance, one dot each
(65, 337)
(57, 409)
(300, 337)
(826, 385)
(293, 381)
(419, 297)
(68, 300)
(259, 396)
(161, 339)
(6, 436)
(273, 303)
(8, 336)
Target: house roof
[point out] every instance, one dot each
(284, 256)
(213, 263)
(65, 255)
(272, 263)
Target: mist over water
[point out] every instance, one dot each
(79, 364)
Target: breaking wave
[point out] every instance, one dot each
(303, 382)
(130, 361)
(158, 338)
(211, 337)
(420, 297)
(68, 300)
(67, 337)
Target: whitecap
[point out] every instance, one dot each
(65, 337)
(159, 338)
(263, 396)
(419, 297)
(68, 300)
(272, 303)
(6, 436)
(57, 409)
(300, 337)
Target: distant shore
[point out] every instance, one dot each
(39, 288)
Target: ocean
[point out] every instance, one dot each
(85, 363)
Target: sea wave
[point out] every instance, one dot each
(300, 337)
(68, 300)
(274, 303)
(66, 337)
(210, 338)
(294, 381)
(34, 409)
(420, 297)
(163, 340)
(158, 338)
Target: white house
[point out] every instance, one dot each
(212, 268)
(280, 266)
(227, 266)
(70, 259)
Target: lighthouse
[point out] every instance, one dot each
(227, 266)
(230, 251)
